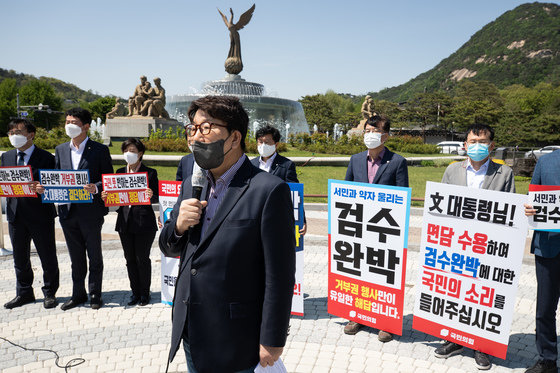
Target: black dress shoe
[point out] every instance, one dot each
(72, 303)
(96, 302)
(133, 300)
(144, 300)
(19, 301)
(49, 302)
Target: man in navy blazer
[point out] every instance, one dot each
(236, 275)
(270, 161)
(377, 165)
(29, 219)
(546, 247)
(185, 168)
(82, 222)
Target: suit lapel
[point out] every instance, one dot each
(83, 162)
(236, 188)
(384, 163)
(490, 174)
(66, 155)
(462, 177)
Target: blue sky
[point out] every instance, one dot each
(294, 48)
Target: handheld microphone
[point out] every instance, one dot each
(197, 181)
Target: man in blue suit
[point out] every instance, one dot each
(82, 222)
(546, 247)
(377, 165)
(270, 161)
(235, 284)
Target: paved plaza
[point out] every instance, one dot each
(118, 338)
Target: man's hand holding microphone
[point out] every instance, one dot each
(190, 210)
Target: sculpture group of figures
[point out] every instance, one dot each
(147, 100)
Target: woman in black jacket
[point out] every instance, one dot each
(137, 226)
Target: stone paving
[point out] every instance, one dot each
(118, 338)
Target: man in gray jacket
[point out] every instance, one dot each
(477, 171)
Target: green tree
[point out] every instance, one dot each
(478, 102)
(318, 111)
(38, 92)
(100, 107)
(8, 105)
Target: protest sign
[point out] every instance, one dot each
(65, 186)
(169, 191)
(546, 200)
(368, 238)
(469, 265)
(126, 189)
(14, 181)
(297, 200)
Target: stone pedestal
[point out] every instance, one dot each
(121, 128)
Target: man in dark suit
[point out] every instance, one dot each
(270, 161)
(82, 222)
(377, 165)
(236, 276)
(29, 219)
(185, 168)
(546, 247)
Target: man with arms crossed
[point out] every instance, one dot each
(377, 165)
(237, 245)
(477, 171)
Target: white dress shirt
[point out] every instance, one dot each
(265, 166)
(76, 153)
(476, 178)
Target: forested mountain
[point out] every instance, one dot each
(522, 46)
(65, 90)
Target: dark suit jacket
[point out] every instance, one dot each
(185, 168)
(281, 167)
(547, 172)
(236, 283)
(140, 218)
(95, 158)
(32, 208)
(392, 171)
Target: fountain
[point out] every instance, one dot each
(281, 113)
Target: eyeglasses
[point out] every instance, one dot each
(373, 131)
(205, 128)
(485, 142)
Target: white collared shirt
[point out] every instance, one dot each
(475, 179)
(265, 166)
(76, 153)
(27, 154)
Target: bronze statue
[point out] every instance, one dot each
(233, 63)
(117, 111)
(157, 106)
(368, 109)
(138, 97)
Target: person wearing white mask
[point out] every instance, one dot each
(29, 219)
(82, 222)
(270, 161)
(481, 172)
(376, 165)
(137, 225)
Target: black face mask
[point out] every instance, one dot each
(209, 155)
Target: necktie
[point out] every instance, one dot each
(20, 161)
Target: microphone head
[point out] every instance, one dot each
(198, 178)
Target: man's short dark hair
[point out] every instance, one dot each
(479, 128)
(380, 122)
(268, 130)
(225, 108)
(133, 141)
(29, 127)
(82, 114)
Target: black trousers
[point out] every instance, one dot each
(83, 237)
(22, 231)
(136, 247)
(548, 292)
